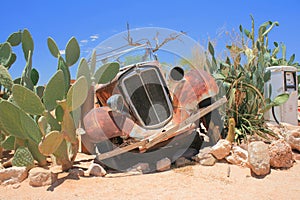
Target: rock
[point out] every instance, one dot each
(163, 164)
(39, 176)
(274, 128)
(76, 172)
(205, 157)
(13, 175)
(221, 149)
(95, 170)
(206, 150)
(187, 153)
(84, 157)
(83, 161)
(16, 186)
(281, 154)
(258, 158)
(296, 156)
(238, 156)
(56, 169)
(210, 160)
(140, 167)
(293, 138)
(182, 161)
(288, 126)
(244, 146)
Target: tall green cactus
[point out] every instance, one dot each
(56, 141)
(7, 58)
(27, 122)
(62, 130)
(61, 139)
(28, 47)
(72, 51)
(17, 122)
(30, 75)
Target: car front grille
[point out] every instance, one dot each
(146, 95)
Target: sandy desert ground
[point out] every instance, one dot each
(189, 182)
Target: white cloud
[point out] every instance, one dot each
(94, 37)
(62, 52)
(84, 41)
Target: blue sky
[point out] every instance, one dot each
(93, 21)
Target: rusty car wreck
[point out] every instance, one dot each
(146, 113)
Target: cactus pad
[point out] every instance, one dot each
(23, 158)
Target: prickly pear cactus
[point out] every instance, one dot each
(23, 158)
(8, 143)
(72, 56)
(28, 120)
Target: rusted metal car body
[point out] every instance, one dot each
(147, 104)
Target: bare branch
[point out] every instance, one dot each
(129, 38)
(173, 36)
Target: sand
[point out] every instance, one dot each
(221, 181)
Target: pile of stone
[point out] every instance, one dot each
(39, 176)
(259, 156)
